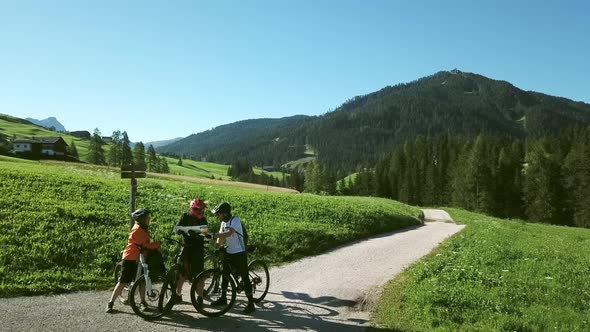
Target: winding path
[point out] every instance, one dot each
(329, 292)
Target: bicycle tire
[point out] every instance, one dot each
(260, 279)
(168, 290)
(211, 281)
(152, 311)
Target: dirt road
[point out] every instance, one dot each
(329, 292)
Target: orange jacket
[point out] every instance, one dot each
(141, 237)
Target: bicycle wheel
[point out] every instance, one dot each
(143, 302)
(205, 300)
(260, 279)
(167, 291)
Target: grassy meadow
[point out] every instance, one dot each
(64, 225)
(495, 275)
(203, 169)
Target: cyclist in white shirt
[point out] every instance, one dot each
(231, 231)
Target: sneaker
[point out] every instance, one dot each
(109, 309)
(124, 301)
(249, 308)
(220, 301)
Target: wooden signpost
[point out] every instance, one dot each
(133, 173)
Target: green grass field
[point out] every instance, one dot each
(202, 169)
(496, 275)
(64, 225)
(199, 169)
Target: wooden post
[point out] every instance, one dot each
(129, 172)
(133, 192)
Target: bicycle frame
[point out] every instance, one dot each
(142, 265)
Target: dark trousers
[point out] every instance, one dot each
(193, 262)
(239, 262)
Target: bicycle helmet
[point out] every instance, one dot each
(198, 204)
(222, 207)
(198, 208)
(140, 213)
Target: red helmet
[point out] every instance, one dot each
(198, 204)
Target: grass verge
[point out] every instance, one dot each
(496, 275)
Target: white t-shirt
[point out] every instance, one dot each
(235, 243)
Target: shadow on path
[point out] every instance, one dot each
(298, 311)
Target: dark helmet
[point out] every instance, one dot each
(140, 214)
(222, 207)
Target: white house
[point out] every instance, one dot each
(50, 146)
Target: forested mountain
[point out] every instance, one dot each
(364, 128)
(261, 141)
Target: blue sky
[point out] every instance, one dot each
(160, 70)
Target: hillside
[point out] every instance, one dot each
(16, 127)
(262, 141)
(363, 128)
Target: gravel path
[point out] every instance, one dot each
(329, 292)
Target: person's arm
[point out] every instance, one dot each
(143, 239)
(223, 235)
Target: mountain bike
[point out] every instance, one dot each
(165, 302)
(211, 280)
(142, 294)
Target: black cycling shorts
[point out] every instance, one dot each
(193, 263)
(129, 271)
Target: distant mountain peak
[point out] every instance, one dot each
(50, 122)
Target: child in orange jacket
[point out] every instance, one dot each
(138, 235)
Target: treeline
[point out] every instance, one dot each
(545, 180)
(120, 153)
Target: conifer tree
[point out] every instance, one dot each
(95, 152)
(310, 184)
(163, 165)
(383, 185)
(139, 156)
(542, 184)
(576, 174)
(126, 155)
(396, 170)
(114, 154)
(153, 164)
